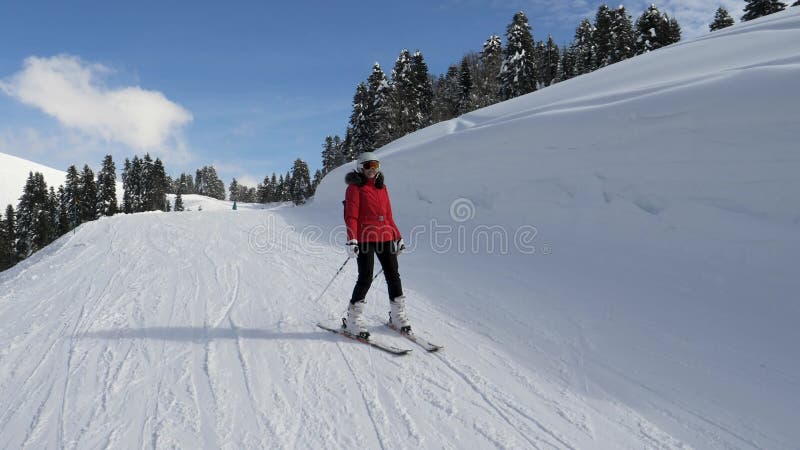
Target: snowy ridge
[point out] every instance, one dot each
(651, 304)
(14, 173)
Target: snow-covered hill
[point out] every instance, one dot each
(639, 290)
(14, 173)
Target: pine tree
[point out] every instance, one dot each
(623, 44)
(491, 59)
(722, 19)
(450, 93)
(377, 113)
(87, 196)
(33, 228)
(7, 239)
(361, 137)
(261, 190)
(403, 106)
(517, 75)
(603, 35)
(53, 215)
(583, 48)
(179, 201)
(423, 91)
(159, 184)
(65, 218)
(287, 182)
(300, 182)
(566, 67)
(279, 188)
(127, 187)
(328, 156)
(316, 181)
(547, 66)
(184, 182)
(760, 8)
(465, 102)
(273, 191)
(107, 186)
(208, 183)
(233, 189)
(673, 30)
(148, 181)
(136, 176)
(652, 30)
(71, 195)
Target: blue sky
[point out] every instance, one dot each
(246, 86)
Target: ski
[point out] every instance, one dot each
(372, 341)
(422, 342)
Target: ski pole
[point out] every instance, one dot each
(377, 274)
(331, 282)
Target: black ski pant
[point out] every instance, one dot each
(366, 262)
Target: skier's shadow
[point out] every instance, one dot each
(201, 334)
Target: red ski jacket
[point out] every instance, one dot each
(368, 211)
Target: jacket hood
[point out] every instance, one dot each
(359, 179)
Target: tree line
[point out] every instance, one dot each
(386, 108)
(44, 213)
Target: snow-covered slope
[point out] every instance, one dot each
(194, 202)
(645, 296)
(14, 173)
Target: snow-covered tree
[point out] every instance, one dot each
(566, 66)
(760, 8)
(491, 59)
(127, 187)
(423, 91)
(547, 62)
(87, 196)
(107, 187)
(208, 183)
(465, 101)
(8, 239)
(233, 190)
(33, 228)
(362, 131)
(722, 19)
(159, 185)
(583, 48)
(655, 30)
(378, 116)
(403, 97)
(624, 39)
(179, 201)
(603, 35)
(517, 76)
(300, 182)
(316, 181)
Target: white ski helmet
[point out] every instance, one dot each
(367, 156)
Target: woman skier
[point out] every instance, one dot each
(371, 232)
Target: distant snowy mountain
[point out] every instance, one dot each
(609, 262)
(13, 174)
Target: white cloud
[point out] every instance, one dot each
(72, 91)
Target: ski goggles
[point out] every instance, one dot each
(366, 165)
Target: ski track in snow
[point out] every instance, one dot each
(207, 348)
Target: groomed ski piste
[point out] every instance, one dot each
(645, 297)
